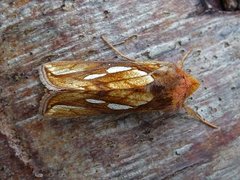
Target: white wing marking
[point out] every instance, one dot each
(94, 76)
(95, 101)
(118, 106)
(117, 69)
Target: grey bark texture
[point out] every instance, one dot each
(128, 146)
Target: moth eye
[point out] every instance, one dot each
(118, 106)
(94, 76)
(95, 101)
(118, 69)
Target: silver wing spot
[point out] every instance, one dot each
(117, 69)
(118, 106)
(95, 101)
(94, 76)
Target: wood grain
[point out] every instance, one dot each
(127, 146)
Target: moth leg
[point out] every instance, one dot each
(181, 62)
(115, 50)
(194, 114)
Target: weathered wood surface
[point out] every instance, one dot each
(132, 146)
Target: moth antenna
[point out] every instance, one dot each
(194, 114)
(181, 62)
(115, 50)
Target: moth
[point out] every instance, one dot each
(107, 87)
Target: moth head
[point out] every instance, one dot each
(186, 87)
(192, 84)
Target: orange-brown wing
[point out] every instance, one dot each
(78, 103)
(97, 76)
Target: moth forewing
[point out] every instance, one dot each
(99, 76)
(77, 103)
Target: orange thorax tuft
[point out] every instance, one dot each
(186, 87)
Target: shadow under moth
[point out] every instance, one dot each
(108, 87)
